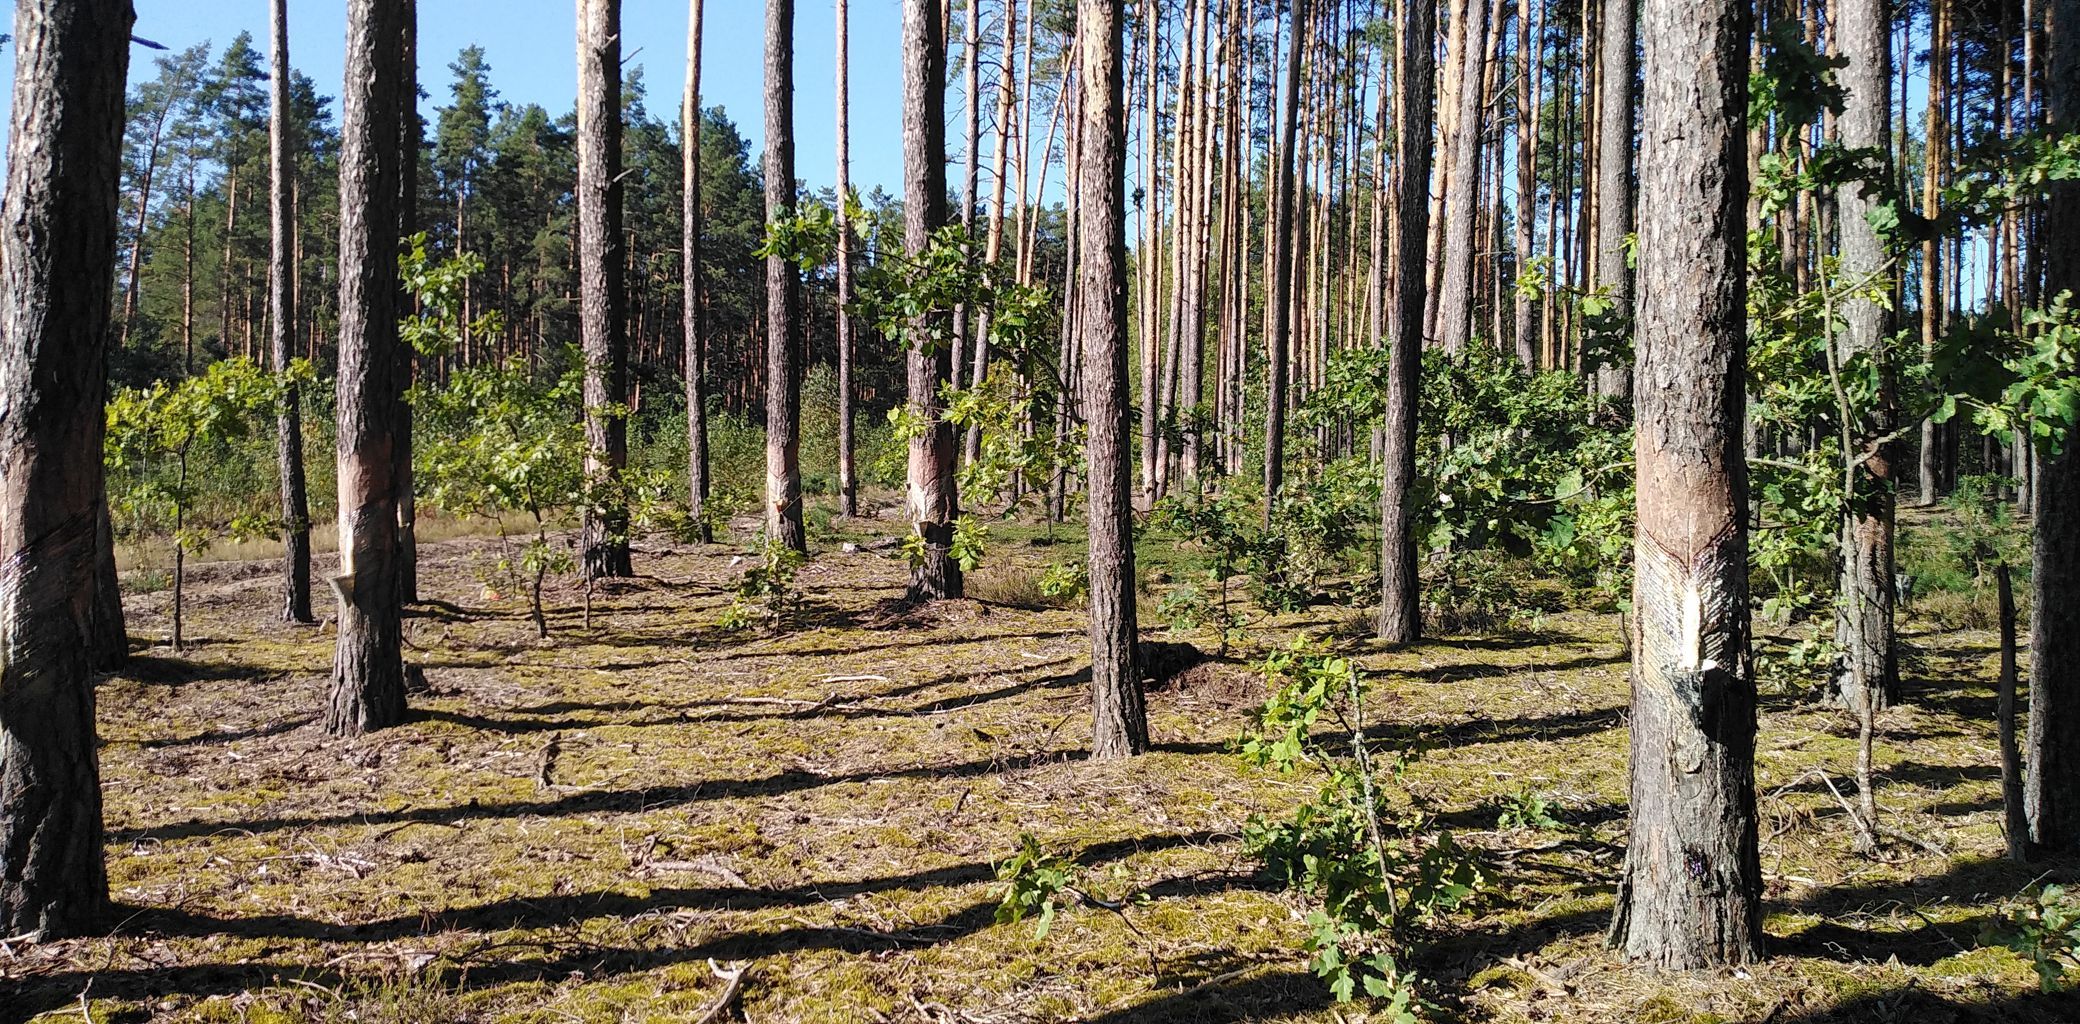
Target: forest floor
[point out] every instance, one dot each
(572, 830)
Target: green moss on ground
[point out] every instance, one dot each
(826, 804)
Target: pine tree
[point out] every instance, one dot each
(602, 255)
(1691, 892)
(368, 666)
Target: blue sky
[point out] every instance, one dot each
(532, 51)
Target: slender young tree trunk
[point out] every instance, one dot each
(1461, 188)
(1614, 188)
(2053, 789)
(1400, 614)
(602, 255)
(1280, 298)
(133, 280)
(409, 138)
(64, 183)
(690, 272)
(783, 293)
(2015, 810)
(971, 159)
(1691, 892)
(1527, 181)
(848, 484)
(368, 667)
(281, 296)
(993, 245)
(1935, 134)
(934, 501)
(1864, 630)
(1120, 718)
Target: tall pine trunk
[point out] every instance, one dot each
(1120, 719)
(1614, 191)
(1279, 300)
(696, 343)
(64, 182)
(1690, 894)
(783, 292)
(1461, 186)
(934, 502)
(1400, 614)
(408, 140)
(2053, 789)
(368, 668)
(848, 482)
(1864, 632)
(281, 321)
(602, 257)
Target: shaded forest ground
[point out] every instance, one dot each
(570, 831)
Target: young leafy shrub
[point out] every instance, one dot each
(1034, 884)
(500, 440)
(766, 592)
(1067, 583)
(1184, 607)
(1478, 592)
(2045, 927)
(1525, 809)
(1376, 876)
(160, 444)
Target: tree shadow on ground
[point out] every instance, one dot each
(56, 990)
(1256, 996)
(646, 798)
(158, 670)
(1915, 1006)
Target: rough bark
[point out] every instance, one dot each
(1279, 301)
(1690, 894)
(2053, 789)
(281, 322)
(1614, 192)
(933, 500)
(368, 667)
(2015, 816)
(57, 242)
(1936, 132)
(1400, 613)
(108, 635)
(1526, 219)
(1120, 719)
(848, 483)
(690, 271)
(783, 291)
(408, 140)
(1864, 631)
(602, 303)
(1461, 188)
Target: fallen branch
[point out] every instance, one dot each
(733, 986)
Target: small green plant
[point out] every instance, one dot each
(1034, 884)
(1067, 582)
(1220, 527)
(2045, 927)
(1376, 875)
(1525, 809)
(766, 592)
(1184, 607)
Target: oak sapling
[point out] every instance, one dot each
(154, 438)
(1376, 874)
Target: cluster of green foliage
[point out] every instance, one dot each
(158, 435)
(1377, 874)
(2045, 927)
(766, 592)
